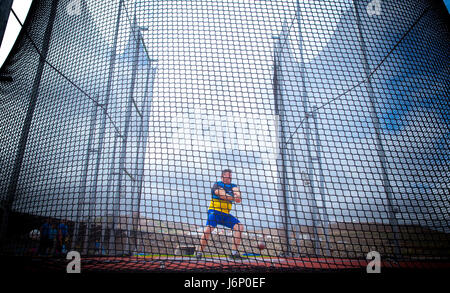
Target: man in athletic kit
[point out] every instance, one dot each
(223, 193)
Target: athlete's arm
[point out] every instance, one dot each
(237, 194)
(220, 192)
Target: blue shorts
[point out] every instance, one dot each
(218, 218)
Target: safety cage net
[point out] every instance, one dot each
(117, 119)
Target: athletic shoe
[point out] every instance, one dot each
(236, 256)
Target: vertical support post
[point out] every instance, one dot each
(324, 213)
(281, 146)
(112, 250)
(311, 196)
(123, 152)
(379, 145)
(308, 137)
(81, 216)
(140, 154)
(112, 64)
(13, 182)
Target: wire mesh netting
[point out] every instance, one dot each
(332, 117)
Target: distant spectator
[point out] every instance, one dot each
(52, 237)
(63, 233)
(44, 241)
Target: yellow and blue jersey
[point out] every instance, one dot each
(218, 204)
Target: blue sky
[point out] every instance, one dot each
(447, 3)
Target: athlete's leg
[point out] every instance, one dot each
(237, 234)
(204, 240)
